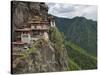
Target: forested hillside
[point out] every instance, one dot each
(79, 58)
(81, 31)
(81, 42)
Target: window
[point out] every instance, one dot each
(25, 35)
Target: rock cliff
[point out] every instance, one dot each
(25, 11)
(43, 56)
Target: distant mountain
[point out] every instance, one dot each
(81, 31)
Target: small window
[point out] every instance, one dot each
(25, 35)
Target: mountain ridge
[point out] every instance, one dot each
(81, 31)
(74, 17)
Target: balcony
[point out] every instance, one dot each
(19, 50)
(39, 27)
(36, 37)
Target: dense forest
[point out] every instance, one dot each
(80, 36)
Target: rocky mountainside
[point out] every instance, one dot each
(71, 46)
(43, 56)
(25, 11)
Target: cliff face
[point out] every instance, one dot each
(25, 11)
(43, 56)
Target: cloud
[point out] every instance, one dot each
(70, 11)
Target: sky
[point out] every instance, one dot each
(72, 10)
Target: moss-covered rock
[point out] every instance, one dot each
(44, 56)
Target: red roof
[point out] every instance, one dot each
(18, 43)
(38, 22)
(42, 29)
(24, 29)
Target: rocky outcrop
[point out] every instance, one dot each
(44, 55)
(25, 11)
